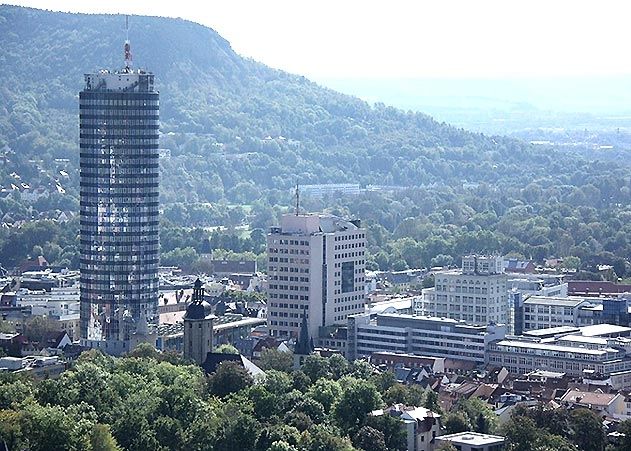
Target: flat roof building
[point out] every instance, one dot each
(476, 293)
(602, 350)
(420, 335)
(119, 201)
(316, 266)
(473, 441)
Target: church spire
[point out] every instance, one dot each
(304, 346)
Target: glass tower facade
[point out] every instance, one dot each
(119, 191)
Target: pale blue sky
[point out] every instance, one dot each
(397, 38)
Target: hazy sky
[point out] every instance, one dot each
(396, 38)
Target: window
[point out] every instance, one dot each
(348, 277)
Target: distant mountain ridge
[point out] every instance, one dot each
(233, 129)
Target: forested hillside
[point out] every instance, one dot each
(236, 132)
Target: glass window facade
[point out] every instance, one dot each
(119, 202)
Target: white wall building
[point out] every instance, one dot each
(420, 335)
(57, 301)
(473, 441)
(421, 425)
(538, 285)
(476, 293)
(602, 349)
(316, 267)
(543, 312)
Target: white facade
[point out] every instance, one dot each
(419, 335)
(57, 301)
(475, 294)
(473, 441)
(538, 285)
(602, 349)
(316, 267)
(542, 312)
(421, 425)
(330, 188)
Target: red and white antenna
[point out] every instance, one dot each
(127, 45)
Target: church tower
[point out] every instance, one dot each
(198, 326)
(304, 345)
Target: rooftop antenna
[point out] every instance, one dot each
(127, 46)
(297, 200)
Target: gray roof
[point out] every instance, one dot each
(556, 301)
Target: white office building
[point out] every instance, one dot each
(316, 267)
(543, 312)
(601, 349)
(420, 335)
(476, 293)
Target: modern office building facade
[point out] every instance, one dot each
(601, 349)
(315, 267)
(119, 189)
(420, 335)
(476, 293)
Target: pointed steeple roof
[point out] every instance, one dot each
(304, 346)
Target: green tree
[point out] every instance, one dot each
(226, 348)
(230, 377)
(281, 446)
(587, 430)
(101, 439)
(358, 398)
(316, 367)
(273, 359)
(457, 422)
(521, 433)
(395, 436)
(624, 441)
(370, 439)
(326, 392)
(326, 438)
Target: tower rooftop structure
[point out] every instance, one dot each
(198, 309)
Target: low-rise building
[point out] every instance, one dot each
(392, 360)
(610, 404)
(473, 441)
(543, 312)
(421, 425)
(602, 349)
(538, 285)
(420, 335)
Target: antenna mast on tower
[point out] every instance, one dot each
(127, 46)
(297, 200)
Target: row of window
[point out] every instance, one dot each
(355, 236)
(350, 254)
(287, 269)
(290, 306)
(289, 278)
(290, 242)
(287, 287)
(86, 101)
(98, 122)
(349, 246)
(121, 140)
(276, 250)
(293, 297)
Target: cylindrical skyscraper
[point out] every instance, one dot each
(119, 121)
